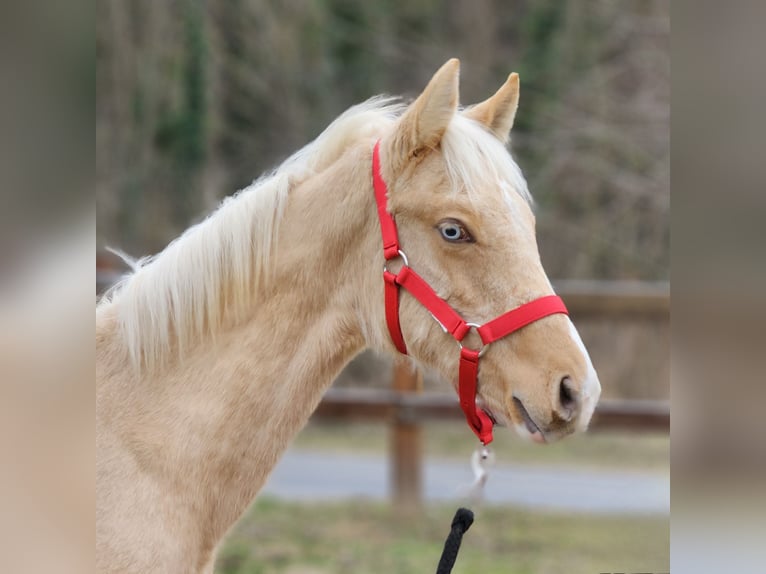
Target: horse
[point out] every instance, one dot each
(213, 354)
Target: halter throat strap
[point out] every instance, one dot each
(449, 319)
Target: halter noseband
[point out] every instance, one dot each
(448, 318)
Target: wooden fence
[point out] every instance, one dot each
(405, 411)
(405, 406)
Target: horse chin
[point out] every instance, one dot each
(524, 432)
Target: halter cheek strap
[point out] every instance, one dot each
(448, 318)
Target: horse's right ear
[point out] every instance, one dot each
(422, 126)
(497, 113)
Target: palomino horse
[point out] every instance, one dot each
(212, 355)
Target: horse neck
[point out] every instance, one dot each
(225, 413)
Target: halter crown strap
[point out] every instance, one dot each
(448, 318)
(387, 223)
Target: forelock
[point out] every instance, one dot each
(477, 160)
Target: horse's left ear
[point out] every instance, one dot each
(423, 124)
(498, 111)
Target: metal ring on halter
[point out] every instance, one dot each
(404, 260)
(483, 348)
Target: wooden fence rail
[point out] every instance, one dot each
(381, 405)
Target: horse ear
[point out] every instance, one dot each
(498, 111)
(422, 126)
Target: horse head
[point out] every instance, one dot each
(465, 220)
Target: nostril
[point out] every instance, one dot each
(567, 395)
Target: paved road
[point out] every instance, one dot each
(304, 475)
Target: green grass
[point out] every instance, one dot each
(362, 537)
(453, 440)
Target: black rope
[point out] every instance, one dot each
(460, 524)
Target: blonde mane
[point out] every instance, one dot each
(211, 273)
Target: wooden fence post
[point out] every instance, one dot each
(406, 440)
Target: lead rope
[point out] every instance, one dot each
(482, 460)
(460, 525)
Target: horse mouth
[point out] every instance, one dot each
(534, 430)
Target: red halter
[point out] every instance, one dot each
(450, 320)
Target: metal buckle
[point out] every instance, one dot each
(401, 256)
(483, 348)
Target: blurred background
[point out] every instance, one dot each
(196, 98)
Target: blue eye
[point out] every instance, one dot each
(454, 231)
